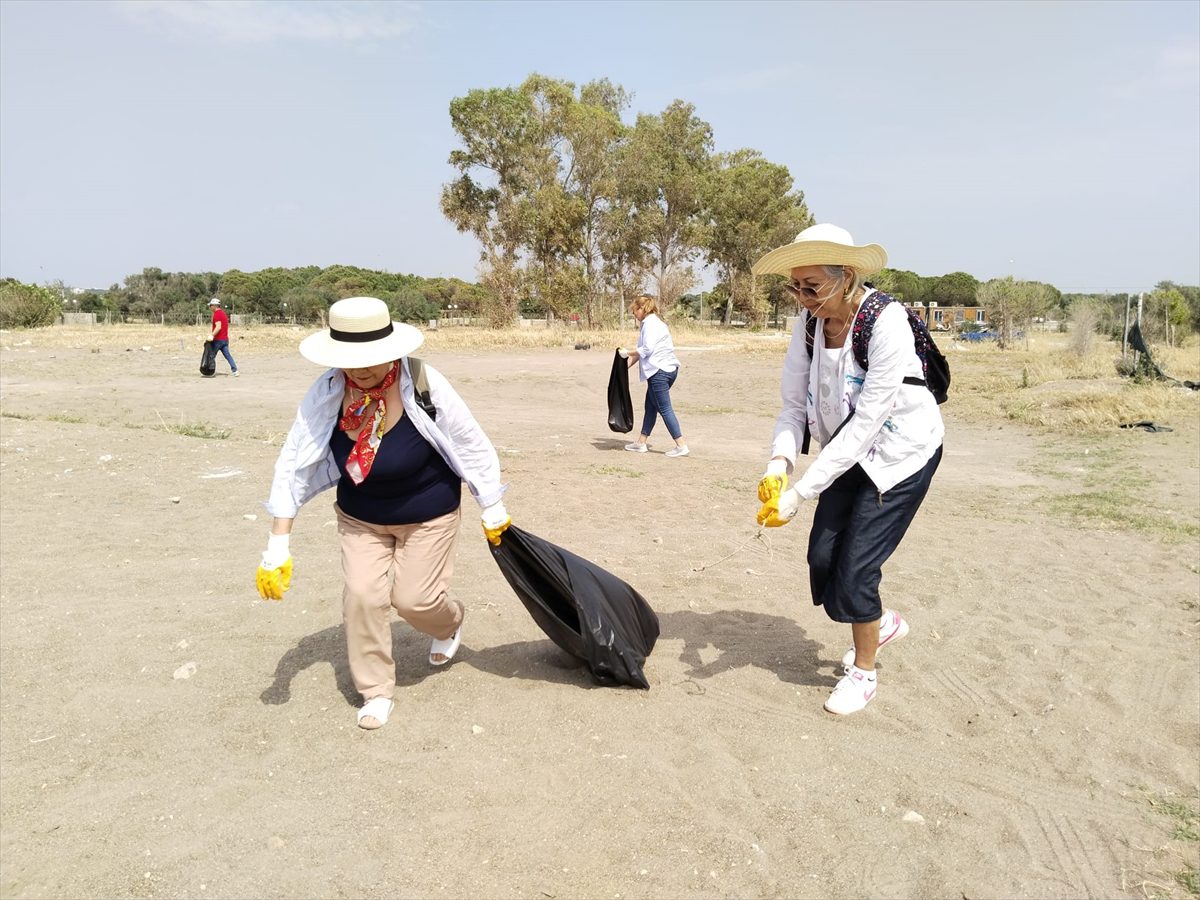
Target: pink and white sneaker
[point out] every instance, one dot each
(892, 627)
(853, 692)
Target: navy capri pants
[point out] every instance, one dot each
(855, 529)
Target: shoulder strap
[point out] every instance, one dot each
(810, 333)
(864, 325)
(420, 379)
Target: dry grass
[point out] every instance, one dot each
(1049, 385)
(1044, 384)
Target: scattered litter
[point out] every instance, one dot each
(145, 349)
(475, 729)
(107, 457)
(1147, 426)
(914, 817)
(174, 499)
(187, 670)
(223, 473)
(42, 740)
(250, 517)
(182, 645)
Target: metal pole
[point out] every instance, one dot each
(1125, 333)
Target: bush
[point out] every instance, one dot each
(27, 305)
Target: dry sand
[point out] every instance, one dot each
(1043, 709)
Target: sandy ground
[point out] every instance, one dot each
(1045, 706)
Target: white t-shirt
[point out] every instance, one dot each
(830, 400)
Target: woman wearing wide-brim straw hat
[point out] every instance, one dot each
(399, 462)
(879, 429)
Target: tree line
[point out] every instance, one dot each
(576, 211)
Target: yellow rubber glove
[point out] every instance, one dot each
(779, 509)
(495, 521)
(274, 575)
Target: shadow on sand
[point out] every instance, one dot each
(738, 639)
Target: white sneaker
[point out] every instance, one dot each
(854, 691)
(678, 451)
(892, 627)
(635, 447)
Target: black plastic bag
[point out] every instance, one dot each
(620, 407)
(589, 612)
(208, 360)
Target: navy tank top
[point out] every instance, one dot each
(409, 482)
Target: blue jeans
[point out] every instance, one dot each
(223, 347)
(658, 401)
(854, 530)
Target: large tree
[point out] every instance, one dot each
(669, 159)
(750, 207)
(1011, 304)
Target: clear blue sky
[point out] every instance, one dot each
(1053, 141)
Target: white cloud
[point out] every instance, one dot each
(266, 21)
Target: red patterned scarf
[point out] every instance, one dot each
(362, 456)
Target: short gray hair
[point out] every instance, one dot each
(854, 281)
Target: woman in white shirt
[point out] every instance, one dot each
(880, 433)
(659, 368)
(399, 462)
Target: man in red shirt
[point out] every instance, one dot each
(220, 332)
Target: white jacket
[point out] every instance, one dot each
(306, 465)
(894, 429)
(656, 350)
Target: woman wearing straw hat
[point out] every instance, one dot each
(398, 471)
(880, 433)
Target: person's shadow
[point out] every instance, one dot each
(739, 639)
(613, 443)
(736, 637)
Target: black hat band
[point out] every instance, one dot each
(361, 337)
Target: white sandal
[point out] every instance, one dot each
(446, 648)
(378, 708)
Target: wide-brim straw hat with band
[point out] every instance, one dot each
(822, 245)
(361, 333)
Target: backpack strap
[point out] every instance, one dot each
(420, 379)
(864, 326)
(810, 340)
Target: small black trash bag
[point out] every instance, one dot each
(589, 612)
(620, 407)
(208, 360)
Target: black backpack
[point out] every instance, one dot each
(933, 362)
(416, 368)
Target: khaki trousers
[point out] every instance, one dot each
(401, 567)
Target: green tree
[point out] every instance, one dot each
(955, 289)
(669, 159)
(1164, 312)
(498, 130)
(1011, 304)
(749, 208)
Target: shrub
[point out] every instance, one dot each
(27, 305)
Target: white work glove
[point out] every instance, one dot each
(623, 353)
(274, 575)
(495, 520)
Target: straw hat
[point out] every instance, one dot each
(361, 333)
(822, 245)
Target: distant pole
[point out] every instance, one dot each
(1125, 333)
(1139, 317)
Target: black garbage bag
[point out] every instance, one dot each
(208, 360)
(589, 612)
(620, 407)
